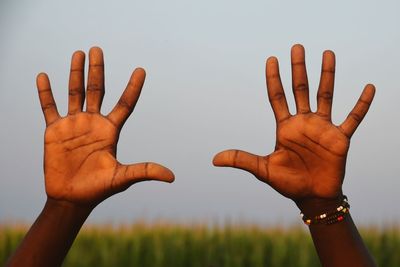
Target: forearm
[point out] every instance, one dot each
(340, 244)
(51, 236)
(337, 244)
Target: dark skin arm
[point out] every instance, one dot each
(308, 163)
(80, 163)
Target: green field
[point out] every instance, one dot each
(170, 245)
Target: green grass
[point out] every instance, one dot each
(170, 245)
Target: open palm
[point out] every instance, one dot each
(310, 154)
(80, 148)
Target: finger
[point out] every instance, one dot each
(76, 83)
(95, 86)
(355, 117)
(276, 94)
(299, 79)
(128, 100)
(326, 84)
(46, 99)
(126, 175)
(254, 164)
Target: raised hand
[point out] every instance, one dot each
(310, 154)
(80, 148)
(79, 160)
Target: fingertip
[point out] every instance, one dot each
(328, 53)
(160, 172)
(140, 72)
(78, 53)
(297, 45)
(297, 54)
(370, 87)
(42, 79)
(95, 49)
(41, 75)
(138, 77)
(169, 176)
(271, 66)
(221, 158)
(217, 159)
(272, 60)
(297, 48)
(368, 92)
(328, 62)
(96, 55)
(78, 61)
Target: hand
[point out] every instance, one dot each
(80, 148)
(310, 153)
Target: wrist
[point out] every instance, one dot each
(315, 206)
(66, 210)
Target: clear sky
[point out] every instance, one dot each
(204, 92)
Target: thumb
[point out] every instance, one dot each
(254, 164)
(127, 175)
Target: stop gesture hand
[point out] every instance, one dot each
(80, 148)
(310, 154)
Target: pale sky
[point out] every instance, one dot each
(204, 92)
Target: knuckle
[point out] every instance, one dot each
(235, 157)
(76, 70)
(146, 169)
(44, 91)
(124, 104)
(48, 106)
(364, 102)
(94, 87)
(325, 115)
(301, 87)
(326, 95)
(277, 96)
(75, 91)
(355, 116)
(328, 70)
(298, 63)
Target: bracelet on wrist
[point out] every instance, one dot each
(331, 217)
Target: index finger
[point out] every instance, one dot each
(46, 99)
(276, 94)
(128, 99)
(359, 111)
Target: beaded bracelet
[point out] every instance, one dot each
(331, 217)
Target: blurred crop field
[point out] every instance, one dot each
(173, 245)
